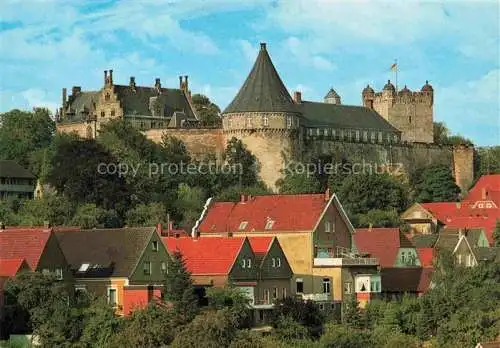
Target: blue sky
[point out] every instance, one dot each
(315, 45)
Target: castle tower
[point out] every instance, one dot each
(410, 112)
(265, 117)
(332, 97)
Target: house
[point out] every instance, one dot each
(397, 282)
(38, 246)
(127, 265)
(314, 233)
(480, 208)
(389, 245)
(256, 265)
(15, 181)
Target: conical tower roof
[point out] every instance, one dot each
(263, 90)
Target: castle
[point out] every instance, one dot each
(392, 127)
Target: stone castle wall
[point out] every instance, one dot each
(405, 158)
(199, 142)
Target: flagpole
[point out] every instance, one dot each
(396, 71)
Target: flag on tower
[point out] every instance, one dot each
(394, 67)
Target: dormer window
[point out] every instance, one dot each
(243, 225)
(265, 121)
(269, 225)
(249, 122)
(276, 262)
(154, 246)
(246, 263)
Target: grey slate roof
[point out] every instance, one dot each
(116, 251)
(487, 254)
(331, 94)
(137, 102)
(83, 101)
(263, 90)
(424, 240)
(343, 116)
(11, 169)
(447, 241)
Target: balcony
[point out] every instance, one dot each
(343, 261)
(316, 297)
(262, 304)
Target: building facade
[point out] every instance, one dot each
(15, 181)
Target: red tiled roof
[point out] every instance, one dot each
(486, 222)
(260, 245)
(25, 243)
(441, 210)
(426, 256)
(10, 267)
(491, 185)
(210, 255)
(289, 213)
(382, 243)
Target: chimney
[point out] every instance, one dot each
(170, 226)
(186, 85)
(111, 77)
(327, 194)
(157, 83)
(458, 205)
(262, 46)
(159, 229)
(105, 77)
(243, 198)
(64, 97)
(75, 90)
(484, 193)
(180, 83)
(2, 226)
(297, 97)
(370, 227)
(132, 82)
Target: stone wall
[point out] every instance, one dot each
(405, 158)
(199, 142)
(79, 128)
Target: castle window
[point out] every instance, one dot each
(310, 131)
(333, 133)
(325, 132)
(351, 134)
(107, 97)
(289, 122)
(103, 114)
(395, 138)
(372, 137)
(113, 112)
(357, 135)
(365, 136)
(342, 134)
(317, 131)
(249, 122)
(409, 119)
(265, 120)
(380, 137)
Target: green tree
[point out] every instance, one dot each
(178, 288)
(208, 330)
(150, 327)
(361, 193)
(287, 329)
(243, 163)
(79, 171)
(488, 161)
(100, 324)
(305, 313)
(377, 218)
(233, 193)
(22, 133)
(88, 216)
(297, 182)
(147, 215)
(174, 149)
(208, 112)
(443, 136)
(190, 202)
(436, 184)
(351, 314)
(341, 336)
(58, 210)
(496, 234)
(235, 301)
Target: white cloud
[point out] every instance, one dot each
(249, 50)
(472, 108)
(305, 56)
